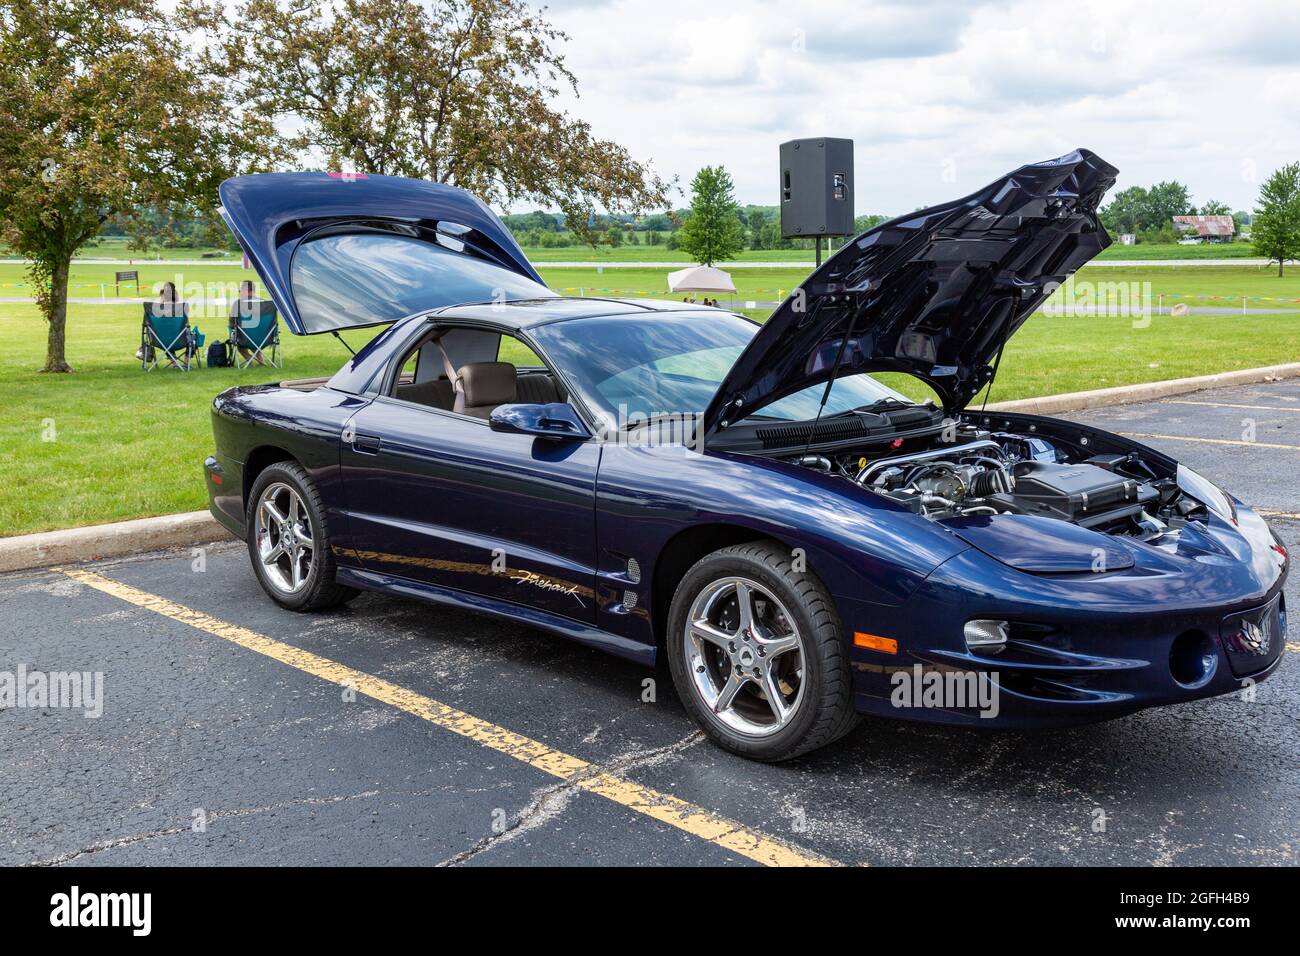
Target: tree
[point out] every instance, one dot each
(1163, 202)
(1275, 229)
(657, 222)
(454, 91)
(869, 221)
(1125, 213)
(772, 238)
(1212, 207)
(757, 219)
(1137, 209)
(712, 231)
(99, 118)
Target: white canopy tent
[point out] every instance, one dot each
(700, 279)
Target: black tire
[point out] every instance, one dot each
(825, 711)
(320, 590)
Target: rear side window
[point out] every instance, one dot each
(350, 280)
(517, 353)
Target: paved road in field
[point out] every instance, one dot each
(229, 733)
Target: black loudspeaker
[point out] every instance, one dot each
(817, 187)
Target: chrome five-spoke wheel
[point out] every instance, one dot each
(745, 656)
(284, 538)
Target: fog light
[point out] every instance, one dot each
(1193, 659)
(986, 637)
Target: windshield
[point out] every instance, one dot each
(671, 363)
(356, 279)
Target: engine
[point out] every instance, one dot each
(1001, 473)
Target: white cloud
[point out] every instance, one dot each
(1207, 93)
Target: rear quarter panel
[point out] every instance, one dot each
(255, 425)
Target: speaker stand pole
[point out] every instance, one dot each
(818, 247)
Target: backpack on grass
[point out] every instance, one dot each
(219, 355)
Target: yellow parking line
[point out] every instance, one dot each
(1210, 441)
(1262, 408)
(1269, 513)
(663, 807)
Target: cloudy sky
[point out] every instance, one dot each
(942, 97)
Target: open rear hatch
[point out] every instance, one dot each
(345, 251)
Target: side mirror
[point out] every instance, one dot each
(556, 420)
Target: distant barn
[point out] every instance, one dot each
(1206, 228)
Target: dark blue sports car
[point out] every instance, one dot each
(802, 543)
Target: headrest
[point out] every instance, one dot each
(487, 383)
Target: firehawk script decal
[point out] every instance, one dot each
(546, 584)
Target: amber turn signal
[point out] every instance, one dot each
(886, 645)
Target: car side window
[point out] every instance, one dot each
(534, 382)
(406, 375)
(477, 355)
(517, 353)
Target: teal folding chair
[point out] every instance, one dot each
(257, 331)
(166, 331)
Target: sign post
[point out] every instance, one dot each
(120, 277)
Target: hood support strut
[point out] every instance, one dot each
(835, 370)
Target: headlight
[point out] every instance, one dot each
(1206, 492)
(986, 637)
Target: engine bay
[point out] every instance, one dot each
(985, 472)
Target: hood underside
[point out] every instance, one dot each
(935, 293)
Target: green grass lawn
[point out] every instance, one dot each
(115, 247)
(1172, 250)
(1231, 250)
(220, 280)
(1261, 286)
(1189, 283)
(110, 442)
(118, 249)
(657, 254)
(123, 444)
(86, 278)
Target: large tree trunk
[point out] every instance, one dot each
(55, 361)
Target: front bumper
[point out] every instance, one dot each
(1082, 647)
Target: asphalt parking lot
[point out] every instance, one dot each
(391, 732)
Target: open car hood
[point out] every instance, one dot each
(934, 293)
(387, 247)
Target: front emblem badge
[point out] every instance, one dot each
(1256, 638)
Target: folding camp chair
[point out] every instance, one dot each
(257, 330)
(167, 331)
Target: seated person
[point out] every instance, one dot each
(243, 307)
(169, 304)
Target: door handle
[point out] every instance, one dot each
(365, 444)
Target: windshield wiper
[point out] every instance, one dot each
(871, 407)
(642, 421)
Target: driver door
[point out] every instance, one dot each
(440, 498)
